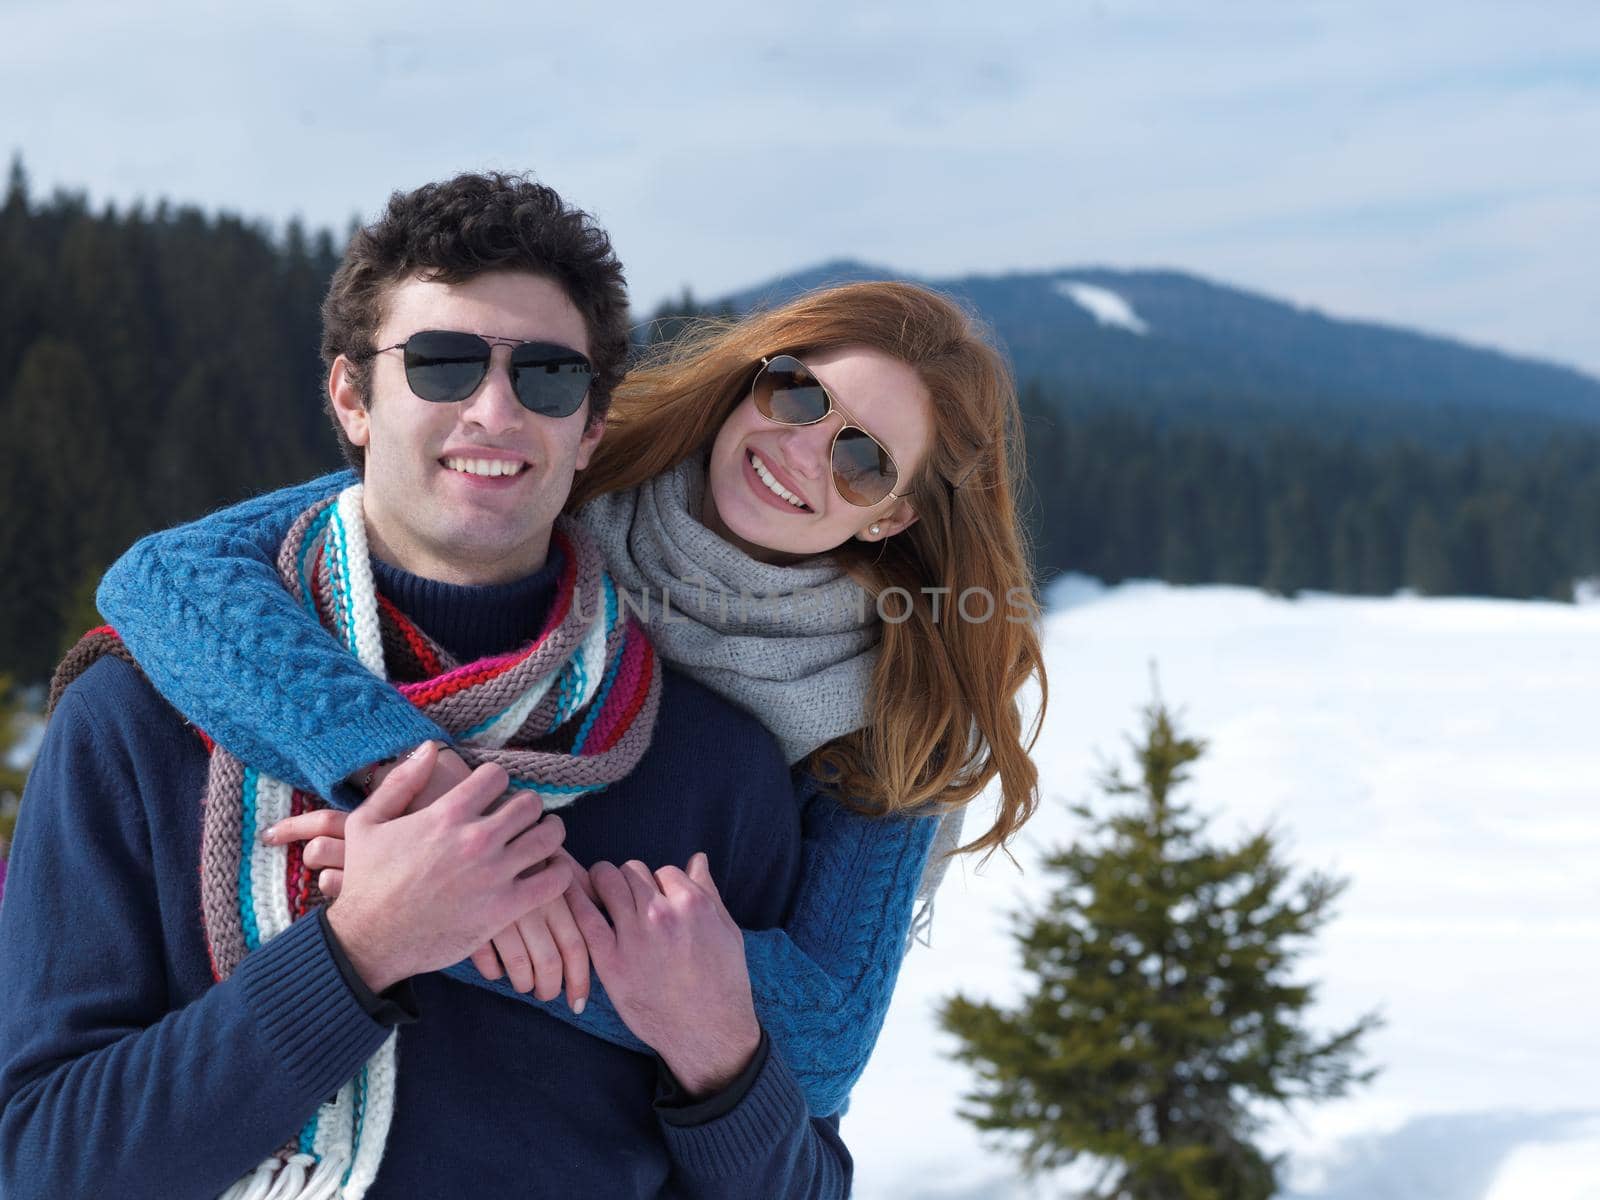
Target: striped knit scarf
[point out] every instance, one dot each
(569, 713)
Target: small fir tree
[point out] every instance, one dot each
(1161, 1012)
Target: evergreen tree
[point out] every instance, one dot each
(11, 779)
(1467, 536)
(1297, 548)
(80, 613)
(68, 521)
(1580, 525)
(1043, 502)
(16, 188)
(1186, 555)
(1133, 530)
(1382, 525)
(1160, 1009)
(1349, 547)
(1237, 514)
(153, 363)
(673, 317)
(1428, 560)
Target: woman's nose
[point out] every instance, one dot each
(806, 447)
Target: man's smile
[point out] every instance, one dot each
(484, 467)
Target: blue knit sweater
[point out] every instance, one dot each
(124, 1071)
(203, 611)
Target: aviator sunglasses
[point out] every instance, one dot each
(444, 366)
(864, 472)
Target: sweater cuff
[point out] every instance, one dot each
(306, 1012)
(381, 733)
(345, 796)
(675, 1107)
(741, 1141)
(397, 1006)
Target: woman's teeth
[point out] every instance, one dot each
(484, 466)
(772, 484)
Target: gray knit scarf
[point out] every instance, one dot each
(794, 646)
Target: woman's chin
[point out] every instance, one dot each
(746, 521)
(761, 541)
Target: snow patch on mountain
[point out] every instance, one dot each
(1104, 305)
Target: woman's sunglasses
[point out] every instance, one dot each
(785, 391)
(445, 367)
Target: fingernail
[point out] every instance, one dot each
(269, 834)
(578, 1005)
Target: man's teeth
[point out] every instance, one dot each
(484, 466)
(772, 484)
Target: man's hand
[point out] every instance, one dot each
(539, 952)
(322, 829)
(672, 960)
(421, 890)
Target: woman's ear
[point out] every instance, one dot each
(898, 519)
(348, 405)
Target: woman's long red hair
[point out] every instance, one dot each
(943, 712)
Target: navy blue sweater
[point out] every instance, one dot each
(125, 1071)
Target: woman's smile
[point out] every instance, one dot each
(761, 477)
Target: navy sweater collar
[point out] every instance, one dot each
(474, 621)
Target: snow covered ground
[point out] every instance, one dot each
(1443, 754)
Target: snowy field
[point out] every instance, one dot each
(1443, 754)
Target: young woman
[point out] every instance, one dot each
(825, 490)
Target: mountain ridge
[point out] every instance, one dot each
(1214, 353)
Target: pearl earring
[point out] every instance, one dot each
(874, 530)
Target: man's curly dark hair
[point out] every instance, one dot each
(462, 228)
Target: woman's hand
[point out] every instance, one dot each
(322, 831)
(542, 950)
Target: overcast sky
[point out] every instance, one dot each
(1434, 163)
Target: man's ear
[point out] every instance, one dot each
(898, 519)
(593, 431)
(345, 397)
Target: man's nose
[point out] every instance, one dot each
(494, 406)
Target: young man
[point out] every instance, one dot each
(171, 1030)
